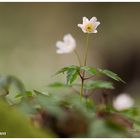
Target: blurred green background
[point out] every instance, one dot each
(29, 31)
(16, 125)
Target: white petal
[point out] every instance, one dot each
(64, 51)
(85, 20)
(95, 31)
(59, 51)
(67, 45)
(69, 40)
(83, 29)
(66, 37)
(60, 44)
(93, 19)
(96, 24)
(80, 25)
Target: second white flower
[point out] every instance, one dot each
(122, 102)
(67, 45)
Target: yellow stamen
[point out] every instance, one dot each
(89, 28)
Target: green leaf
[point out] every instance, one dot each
(29, 93)
(102, 128)
(51, 103)
(9, 87)
(111, 75)
(19, 96)
(6, 82)
(71, 75)
(57, 85)
(89, 69)
(41, 93)
(62, 70)
(97, 84)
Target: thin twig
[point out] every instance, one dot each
(89, 77)
(80, 76)
(76, 91)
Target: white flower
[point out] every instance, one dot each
(122, 102)
(67, 45)
(89, 26)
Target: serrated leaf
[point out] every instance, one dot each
(89, 69)
(98, 84)
(71, 75)
(111, 75)
(72, 72)
(62, 70)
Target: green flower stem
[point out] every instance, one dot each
(78, 58)
(82, 87)
(85, 62)
(86, 50)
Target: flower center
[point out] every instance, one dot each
(89, 28)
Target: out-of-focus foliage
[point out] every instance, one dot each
(65, 114)
(57, 112)
(13, 121)
(16, 125)
(9, 87)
